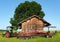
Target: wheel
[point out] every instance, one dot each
(17, 37)
(51, 36)
(47, 36)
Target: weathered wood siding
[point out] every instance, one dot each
(32, 25)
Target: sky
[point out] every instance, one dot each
(51, 9)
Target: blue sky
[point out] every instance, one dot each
(51, 9)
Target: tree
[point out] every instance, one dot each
(25, 10)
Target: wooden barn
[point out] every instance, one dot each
(33, 23)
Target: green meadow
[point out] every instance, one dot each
(56, 38)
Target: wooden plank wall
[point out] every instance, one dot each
(32, 25)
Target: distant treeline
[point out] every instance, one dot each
(2, 30)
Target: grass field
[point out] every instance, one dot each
(56, 38)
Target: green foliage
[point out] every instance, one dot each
(25, 10)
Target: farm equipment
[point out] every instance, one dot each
(27, 34)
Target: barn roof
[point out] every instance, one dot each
(44, 21)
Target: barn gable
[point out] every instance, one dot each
(35, 16)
